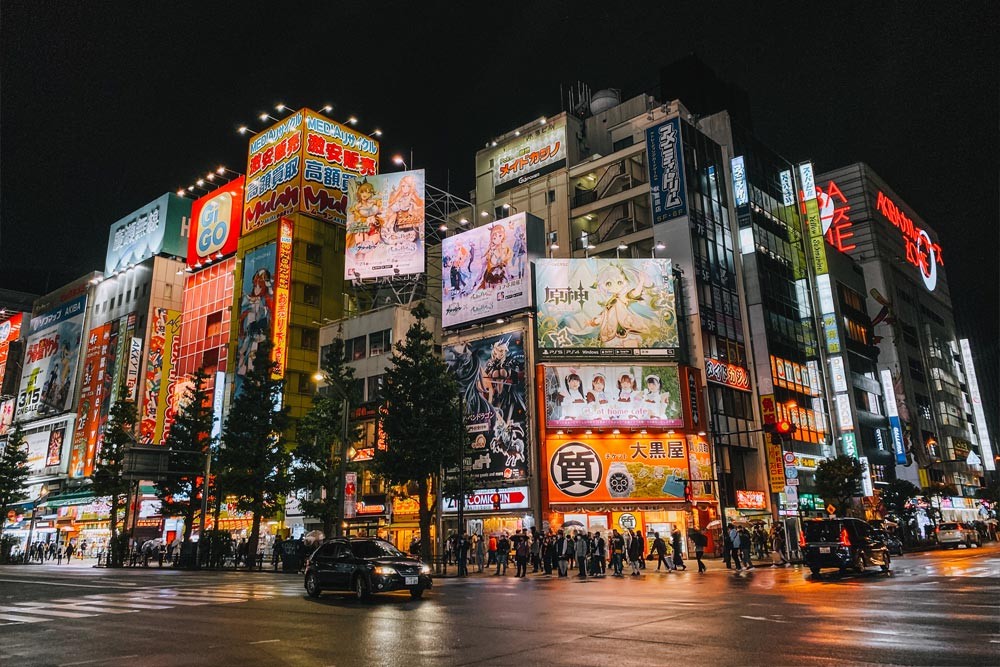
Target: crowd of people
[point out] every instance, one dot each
(588, 554)
(40, 552)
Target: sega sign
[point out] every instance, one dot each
(216, 224)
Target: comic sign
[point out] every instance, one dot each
(601, 308)
(610, 396)
(385, 226)
(256, 312)
(486, 271)
(50, 361)
(491, 378)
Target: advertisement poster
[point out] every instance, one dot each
(491, 379)
(621, 468)
(88, 414)
(335, 155)
(156, 227)
(215, 224)
(274, 173)
(601, 308)
(134, 362)
(282, 297)
(700, 464)
(38, 449)
(486, 271)
(612, 396)
(6, 415)
(50, 361)
(161, 375)
(531, 155)
(54, 454)
(10, 331)
(256, 307)
(385, 226)
(665, 153)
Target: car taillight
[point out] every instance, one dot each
(845, 540)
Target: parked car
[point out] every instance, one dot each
(950, 535)
(892, 543)
(842, 543)
(364, 566)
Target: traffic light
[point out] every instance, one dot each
(780, 431)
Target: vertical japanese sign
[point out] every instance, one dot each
(665, 154)
(256, 307)
(982, 430)
(10, 331)
(892, 411)
(88, 414)
(134, 362)
(48, 374)
(164, 346)
(282, 297)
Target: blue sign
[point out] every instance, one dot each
(665, 154)
(897, 440)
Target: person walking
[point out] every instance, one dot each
(778, 543)
(492, 551)
(700, 542)
(480, 551)
(503, 553)
(522, 551)
(641, 548)
(617, 547)
(660, 549)
(564, 551)
(462, 545)
(746, 548)
(69, 552)
(677, 542)
(734, 546)
(635, 553)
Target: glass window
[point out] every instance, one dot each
(311, 294)
(374, 387)
(314, 253)
(355, 348)
(379, 342)
(310, 339)
(375, 549)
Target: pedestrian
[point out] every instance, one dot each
(480, 553)
(276, 552)
(617, 547)
(727, 549)
(69, 552)
(734, 541)
(580, 551)
(242, 550)
(746, 548)
(641, 548)
(778, 543)
(522, 551)
(492, 551)
(415, 546)
(548, 553)
(564, 549)
(677, 542)
(635, 553)
(601, 549)
(503, 553)
(700, 542)
(536, 550)
(660, 550)
(462, 545)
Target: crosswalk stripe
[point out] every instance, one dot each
(23, 619)
(28, 608)
(126, 603)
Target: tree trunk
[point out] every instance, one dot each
(189, 518)
(254, 535)
(425, 520)
(113, 544)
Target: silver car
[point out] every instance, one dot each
(950, 535)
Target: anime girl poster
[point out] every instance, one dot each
(613, 396)
(385, 226)
(256, 314)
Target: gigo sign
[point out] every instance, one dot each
(216, 224)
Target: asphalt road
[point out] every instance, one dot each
(936, 608)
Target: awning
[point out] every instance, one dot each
(72, 498)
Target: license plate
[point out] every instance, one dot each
(824, 550)
(410, 581)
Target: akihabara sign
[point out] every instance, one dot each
(530, 156)
(503, 500)
(304, 164)
(158, 227)
(215, 227)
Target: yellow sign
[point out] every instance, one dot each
(775, 467)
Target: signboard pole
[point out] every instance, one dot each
(345, 406)
(461, 473)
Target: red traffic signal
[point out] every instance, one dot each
(784, 427)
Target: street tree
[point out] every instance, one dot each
(422, 420)
(320, 440)
(838, 480)
(897, 502)
(933, 494)
(188, 441)
(254, 460)
(13, 473)
(107, 479)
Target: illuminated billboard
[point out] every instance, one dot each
(10, 331)
(158, 227)
(88, 412)
(161, 376)
(981, 427)
(6, 415)
(256, 307)
(529, 156)
(486, 272)
(282, 297)
(48, 374)
(304, 164)
(665, 157)
(385, 226)
(605, 308)
(215, 224)
(613, 396)
(491, 377)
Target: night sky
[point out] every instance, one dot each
(107, 105)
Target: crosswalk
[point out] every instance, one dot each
(151, 599)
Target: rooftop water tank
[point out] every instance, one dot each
(604, 100)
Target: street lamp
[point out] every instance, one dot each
(398, 159)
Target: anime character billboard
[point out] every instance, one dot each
(48, 374)
(491, 378)
(603, 308)
(385, 226)
(256, 315)
(486, 271)
(612, 396)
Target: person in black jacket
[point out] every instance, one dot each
(676, 542)
(660, 549)
(635, 553)
(700, 542)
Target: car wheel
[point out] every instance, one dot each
(416, 593)
(859, 563)
(815, 571)
(886, 562)
(312, 585)
(361, 590)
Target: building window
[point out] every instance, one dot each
(311, 294)
(916, 370)
(624, 142)
(374, 387)
(355, 348)
(314, 253)
(213, 324)
(310, 339)
(379, 342)
(305, 383)
(552, 196)
(324, 352)
(877, 473)
(358, 388)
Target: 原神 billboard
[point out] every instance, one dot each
(604, 308)
(486, 272)
(48, 375)
(491, 379)
(613, 396)
(385, 226)
(256, 316)
(531, 155)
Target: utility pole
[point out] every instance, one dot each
(345, 406)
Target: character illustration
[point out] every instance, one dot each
(366, 219)
(520, 252)
(508, 440)
(495, 376)
(625, 316)
(255, 318)
(406, 206)
(885, 314)
(496, 259)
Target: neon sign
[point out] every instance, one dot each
(921, 252)
(834, 216)
(729, 375)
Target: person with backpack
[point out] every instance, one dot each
(617, 547)
(676, 540)
(660, 550)
(503, 553)
(700, 542)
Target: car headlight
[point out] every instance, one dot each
(385, 571)
(425, 569)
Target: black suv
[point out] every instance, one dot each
(842, 543)
(364, 565)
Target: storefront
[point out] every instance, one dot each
(491, 511)
(405, 524)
